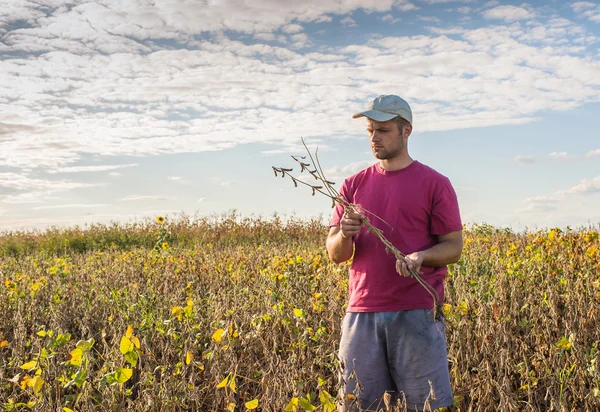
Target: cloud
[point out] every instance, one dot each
(593, 153)
(348, 22)
(508, 13)
(342, 172)
(70, 206)
(558, 155)
(550, 202)
(21, 182)
(586, 186)
(79, 169)
(580, 6)
(129, 79)
(179, 179)
(133, 198)
(227, 183)
(114, 174)
(525, 159)
(202, 199)
(389, 18)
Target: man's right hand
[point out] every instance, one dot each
(350, 224)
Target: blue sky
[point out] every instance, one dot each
(124, 110)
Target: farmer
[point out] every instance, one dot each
(391, 341)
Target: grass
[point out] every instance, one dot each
(232, 313)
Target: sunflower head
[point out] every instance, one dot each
(160, 219)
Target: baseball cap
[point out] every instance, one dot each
(386, 107)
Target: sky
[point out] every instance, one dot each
(123, 110)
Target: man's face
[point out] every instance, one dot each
(387, 142)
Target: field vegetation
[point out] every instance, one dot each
(229, 313)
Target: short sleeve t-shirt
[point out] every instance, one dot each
(417, 203)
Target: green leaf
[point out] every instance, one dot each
(132, 358)
(306, 405)
(122, 375)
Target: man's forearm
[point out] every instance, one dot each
(444, 253)
(339, 248)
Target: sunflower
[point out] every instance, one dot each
(160, 219)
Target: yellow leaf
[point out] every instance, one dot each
(188, 357)
(41, 333)
(189, 302)
(29, 365)
(218, 335)
(223, 383)
(135, 341)
(298, 313)
(25, 382)
(231, 407)
(126, 345)
(292, 405)
(65, 409)
(232, 383)
(253, 404)
(3, 343)
(122, 375)
(36, 383)
(76, 356)
(129, 332)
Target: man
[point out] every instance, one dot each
(390, 340)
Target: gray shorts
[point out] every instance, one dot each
(401, 353)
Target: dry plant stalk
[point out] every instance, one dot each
(326, 188)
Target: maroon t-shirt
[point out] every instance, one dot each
(418, 203)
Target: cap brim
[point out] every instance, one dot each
(375, 115)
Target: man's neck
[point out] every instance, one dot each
(396, 163)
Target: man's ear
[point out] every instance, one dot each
(407, 130)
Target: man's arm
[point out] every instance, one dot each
(340, 245)
(447, 251)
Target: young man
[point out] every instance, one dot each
(390, 340)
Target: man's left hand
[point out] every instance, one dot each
(413, 261)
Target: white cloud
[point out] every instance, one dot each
(19, 181)
(525, 159)
(508, 13)
(464, 10)
(550, 202)
(580, 6)
(593, 153)
(79, 169)
(389, 18)
(348, 22)
(65, 96)
(292, 28)
(114, 174)
(179, 179)
(71, 206)
(586, 186)
(226, 183)
(342, 172)
(133, 198)
(558, 155)
(202, 199)
(405, 5)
